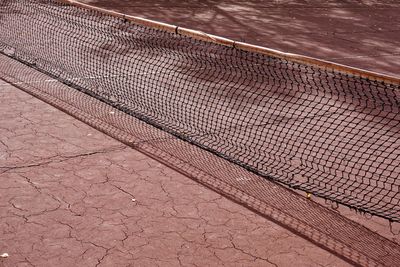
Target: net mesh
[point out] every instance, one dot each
(328, 133)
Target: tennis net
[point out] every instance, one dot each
(322, 128)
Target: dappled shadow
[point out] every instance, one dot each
(186, 87)
(363, 34)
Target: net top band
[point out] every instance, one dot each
(199, 35)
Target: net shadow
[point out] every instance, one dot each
(322, 226)
(328, 133)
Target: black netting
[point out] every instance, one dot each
(325, 132)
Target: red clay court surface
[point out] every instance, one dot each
(72, 196)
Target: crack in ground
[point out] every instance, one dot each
(251, 255)
(102, 258)
(61, 158)
(123, 190)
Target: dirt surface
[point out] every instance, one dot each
(359, 33)
(72, 196)
(343, 237)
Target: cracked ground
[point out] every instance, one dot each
(72, 196)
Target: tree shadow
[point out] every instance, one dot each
(356, 33)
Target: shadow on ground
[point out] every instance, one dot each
(324, 227)
(362, 34)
